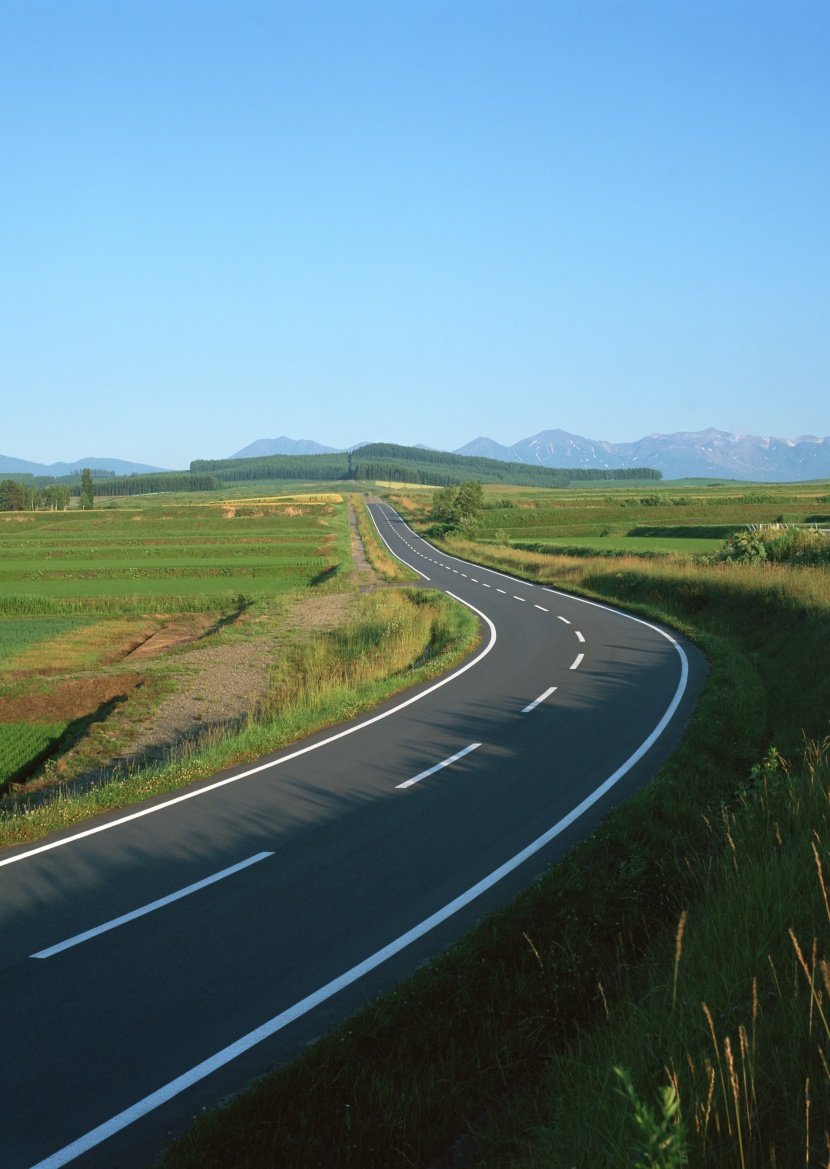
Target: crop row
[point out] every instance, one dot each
(165, 550)
(146, 572)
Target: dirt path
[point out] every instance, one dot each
(365, 575)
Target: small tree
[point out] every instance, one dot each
(443, 509)
(469, 506)
(12, 495)
(87, 490)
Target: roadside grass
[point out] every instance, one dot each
(460, 1047)
(393, 641)
(385, 565)
(727, 1018)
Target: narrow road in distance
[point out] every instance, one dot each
(157, 959)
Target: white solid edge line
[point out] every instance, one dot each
(438, 767)
(10, 860)
(532, 705)
(579, 636)
(576, 661)
(194, 1075)
(412, 566)
(152, 905)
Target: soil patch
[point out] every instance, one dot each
(68, 700)
(176, 633)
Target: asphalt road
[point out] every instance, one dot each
(353, 857)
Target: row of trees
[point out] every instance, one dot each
(403, 464)
(16, 496)
(148, 484)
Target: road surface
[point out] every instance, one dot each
(157, 959)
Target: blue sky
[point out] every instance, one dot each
(409, 220)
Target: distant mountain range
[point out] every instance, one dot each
(10, 466)
(291, 446)
(684, 455)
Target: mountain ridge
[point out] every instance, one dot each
(681, 455)
(12, 466)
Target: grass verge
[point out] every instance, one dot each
(392, 641)
(458, 1043)
(385, 565)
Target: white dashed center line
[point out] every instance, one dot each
(532, 705)
(579, 636)
(565, 619)
(577, 660)
(515, 598)
(542, 607)
(438, 766)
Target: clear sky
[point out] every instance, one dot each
(409, 220)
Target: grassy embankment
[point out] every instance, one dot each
(280, 554)
(521, 1023)
(385, 565)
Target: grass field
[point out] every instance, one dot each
(685, 545)
(664, 517)
(23, 744)
(197, 553)
(18, 636)
(80, 589)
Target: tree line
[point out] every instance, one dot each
(15, 496)
(147, 484)
(401, 464)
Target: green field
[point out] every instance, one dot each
(23, 745)
(60, 571)
(201, 554)
(623, 544)
(666, 517)
(17, 635)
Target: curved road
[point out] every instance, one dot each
(159, 958)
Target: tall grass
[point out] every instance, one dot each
(729, 1015)
(392, 640)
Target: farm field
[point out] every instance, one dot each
(686, 545)
(192, 552)
(665, 517)
(81, 592)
